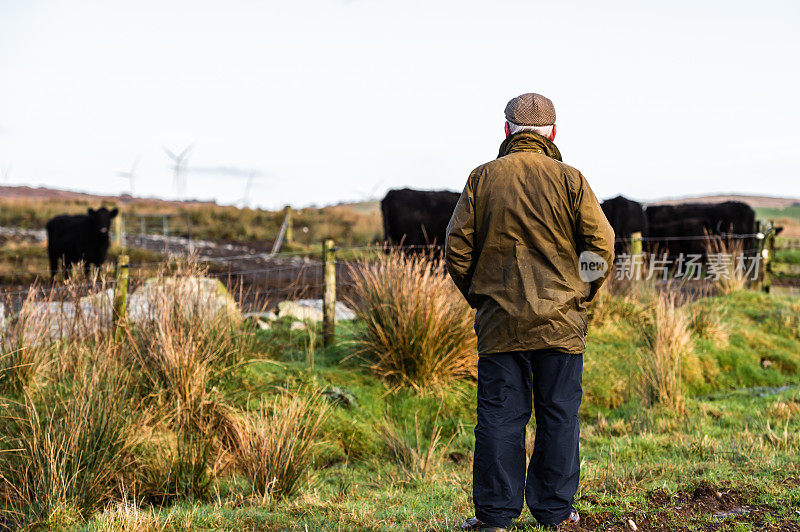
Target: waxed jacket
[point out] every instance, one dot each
(513, 247)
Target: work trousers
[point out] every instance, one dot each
(506, 384)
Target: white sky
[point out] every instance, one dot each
(340, 100)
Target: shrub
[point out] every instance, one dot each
(417, 328)
(277, 443)
(669, 343)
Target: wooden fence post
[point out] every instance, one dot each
(120, 296)
(119, 231)
(288, 221)
(767, 252)
(636, 255)
(329, 292)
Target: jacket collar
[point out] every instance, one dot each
(529, 141)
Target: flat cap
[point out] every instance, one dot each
(531, 109)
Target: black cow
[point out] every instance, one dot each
(626, 217)
(666, 222)
(72, 239)
(417, 217)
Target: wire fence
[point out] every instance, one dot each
(259, 280)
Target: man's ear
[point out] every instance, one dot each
(113, 212)
(507, 129)
(553, 134)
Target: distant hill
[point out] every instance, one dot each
(769, 202)
(44, 193)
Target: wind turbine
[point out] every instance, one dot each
(248, 186)
(131, 175)
(179, 167)
(6, 173)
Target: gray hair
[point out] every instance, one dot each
(544, 131)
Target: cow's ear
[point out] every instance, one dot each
(113, 212)
(91, 211)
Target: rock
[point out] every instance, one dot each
(311, 310)
(258, 323)
(263, 316)
(341, 397)
(200, 297)
(457, 457)
(297, 326)
(53, 320)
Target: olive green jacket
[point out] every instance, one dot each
(513, 244)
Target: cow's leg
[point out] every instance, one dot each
(53, 267)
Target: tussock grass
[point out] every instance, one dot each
(418, 331)
(729, 273)
(185, 347)
(67, 452)
(277, 444)
(669, 344)
(709, 324)
(36, 337)
(417, 456)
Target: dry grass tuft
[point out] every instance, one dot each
(418, 330)
(66, 453)
(669, 343)
(182, 351)
(416, 455)
(48, 323)
(710, 325)
(727, 254)
(278, 440)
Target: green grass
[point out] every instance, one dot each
(787, 256)
(772, 212)
(638, 462)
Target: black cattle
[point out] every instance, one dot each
(72, 239)
(626, 217)
(691, 220)
(417, 217)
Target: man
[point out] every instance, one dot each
(528, 246)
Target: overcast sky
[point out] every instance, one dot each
(342, 100)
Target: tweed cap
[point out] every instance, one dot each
(531, 109)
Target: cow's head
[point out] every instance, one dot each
(101, 218)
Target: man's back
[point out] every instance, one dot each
(521, 232)
(513, 247)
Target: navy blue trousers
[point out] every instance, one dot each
(506, 384)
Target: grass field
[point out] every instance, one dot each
(349, 225)
(387, 456)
